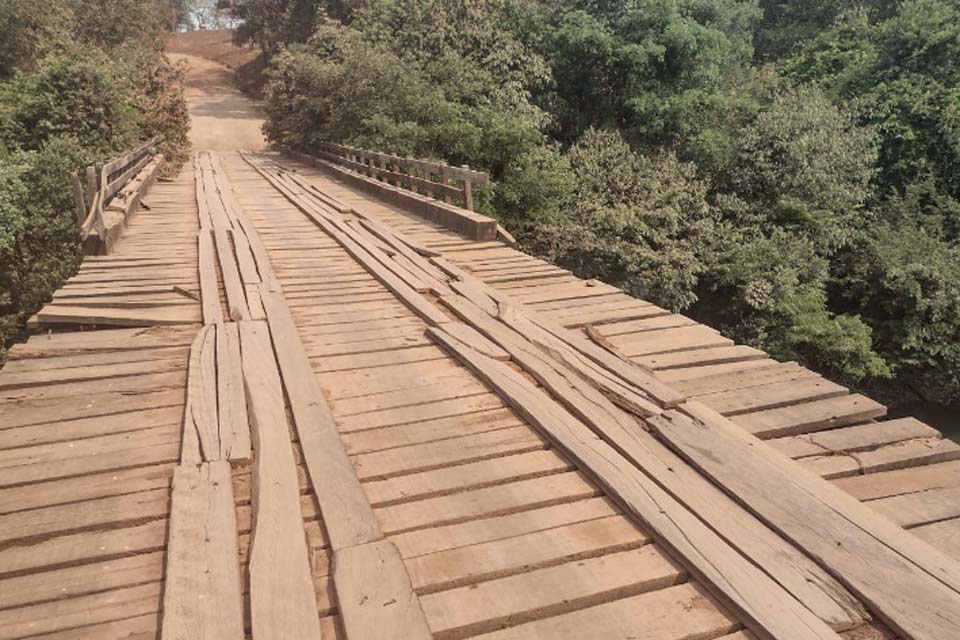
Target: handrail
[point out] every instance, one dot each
(106, 180)
(433, 179)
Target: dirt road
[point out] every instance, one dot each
(221, 117)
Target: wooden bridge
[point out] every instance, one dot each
(296, 401)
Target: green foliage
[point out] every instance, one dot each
(38, 237)
(656, 69)
(67, 97)
(271, 23)
(640, 223)
(769, 290)
(762, 164)
(904, 278)
(81, 81)
(903, 74)
(804, 165)
(447, 98)
(28, 34)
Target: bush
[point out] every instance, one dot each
(39, 245)
(80, 82)
(640, 223)
(68, 97)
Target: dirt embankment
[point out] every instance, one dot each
(222, 118)
(218, 46)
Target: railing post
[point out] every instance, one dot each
(91, 183)
(78, 200)
(467, 191)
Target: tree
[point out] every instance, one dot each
(271, 23)
(28, 34)
(658, 70)
(637, 222)
(902, 74)
(805, 166)
(904, 279)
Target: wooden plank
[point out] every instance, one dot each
(899, 455)
(229, 269)
(526, 343)
(771, 396)
(798, 575)
(869, 436)
(282, 599)
(89, 487)
(202, 592)
(926, 507)
(751, 592)
(559, 534)
(209, 293)
(72, 613)
(892, 483)
(200, 416)
(472, 475)
(683, 611)
(474, 289)
(810, 416)
(54, 314)
(87, 578)
(866, 436)
(909, 585)
(377, 599)
(485, 502)
(407, 294)
(742, 380)
(233, 426)
(349, 518)
(943, 535)
(547, 592)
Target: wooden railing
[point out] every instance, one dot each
(433, 179)
(104, 181)
(121, 177)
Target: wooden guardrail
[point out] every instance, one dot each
(104, 182)
(433, 179)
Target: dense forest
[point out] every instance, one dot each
(80, 81)
(788, 172)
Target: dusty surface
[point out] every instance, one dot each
(212, 45)
(247, 63)
(222, 118)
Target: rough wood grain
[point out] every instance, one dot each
(209, 295)
(201, 410)
(233, 426)
(350, 520)
(798, 575)
(202, 591)
(911, 586)
(282, 599)
(376, 597)
(771, 610)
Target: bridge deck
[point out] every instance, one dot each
(500, 531)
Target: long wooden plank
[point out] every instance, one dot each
(403, 290)
(200, 417)
(282, 599)
(229, 269)
(202, 592)
(209, 295)
(797, 574)
(627, 371)
(912, 587)
(349, 518)
(376, 598)
(770, 610)
(233, 426)
(54, 314)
